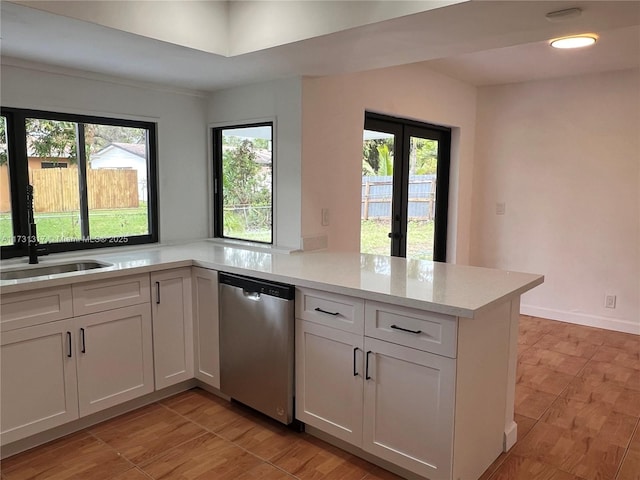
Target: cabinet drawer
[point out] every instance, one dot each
(427, 331)
(101, 295)
(25, 309)
(333, 310)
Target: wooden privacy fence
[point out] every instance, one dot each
(56, 189)
(377, 195)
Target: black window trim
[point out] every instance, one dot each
(19, 179)
(218, 199)
(402, 128)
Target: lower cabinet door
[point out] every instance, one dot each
(409, 407)
(171, 309)
(115, 357)
(206, 332)
(38, 379)
(329, 374)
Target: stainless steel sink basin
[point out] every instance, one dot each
(29, 272)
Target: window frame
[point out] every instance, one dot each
(19, 179)
(218, 193)
(403, 129)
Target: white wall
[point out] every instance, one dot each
(333, 119)
(564, 155)
(279, 101)
(182, 143)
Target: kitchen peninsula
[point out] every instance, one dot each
(420, 356)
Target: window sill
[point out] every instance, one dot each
(260, 247)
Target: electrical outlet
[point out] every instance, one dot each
(501, 208)
(325, 217)
(610, 301)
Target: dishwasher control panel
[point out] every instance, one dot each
(254, 285)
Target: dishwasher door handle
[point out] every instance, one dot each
(255, 296)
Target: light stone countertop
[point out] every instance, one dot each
(439, 287)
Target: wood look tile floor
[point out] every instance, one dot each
(577, 409)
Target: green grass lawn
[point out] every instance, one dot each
(65, 226)
(374, 238)
(61, 226)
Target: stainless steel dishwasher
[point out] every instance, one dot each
(257, 344)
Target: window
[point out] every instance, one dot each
(243, 182)
(93, 181)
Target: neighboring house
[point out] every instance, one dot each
(124, 156)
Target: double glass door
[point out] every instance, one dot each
(405, 187)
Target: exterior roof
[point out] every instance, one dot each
(139, 149)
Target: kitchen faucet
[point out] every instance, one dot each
(33, 245)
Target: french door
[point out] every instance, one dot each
(405, 188)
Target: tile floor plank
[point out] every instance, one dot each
(523, 468)
(146, 433)
(205, 409)
(207, 456)
(77, 457)
(587, 457)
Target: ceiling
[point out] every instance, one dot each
(480, 42)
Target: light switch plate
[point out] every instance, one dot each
(325, 217)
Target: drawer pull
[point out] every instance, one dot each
(366, 368)
(335, 314)
(355, 368)
(69, 352)
(417, 332)
(84, 347)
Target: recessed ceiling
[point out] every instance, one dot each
(481, 42)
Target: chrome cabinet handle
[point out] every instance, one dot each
(318, 309)
(395, 327)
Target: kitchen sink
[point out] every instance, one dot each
(29, 272)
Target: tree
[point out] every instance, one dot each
(373, 151)
(243, 183)
(51, 138)
(3, 142)
(426, 156)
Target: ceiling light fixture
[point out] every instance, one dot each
(574, 41)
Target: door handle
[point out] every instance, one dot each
(157, 293)
(83, 349)
(366, 368)
(394, 235)
(355, 367)
(69, 351)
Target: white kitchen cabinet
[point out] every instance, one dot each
(101, 295)
(329, 373)
(378, 394)
(115, 357)
(171, 311)
(206, 326)
(409, 408)
(26, 309)
(38, 379)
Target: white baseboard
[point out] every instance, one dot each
(582, 319)
(510, 436)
